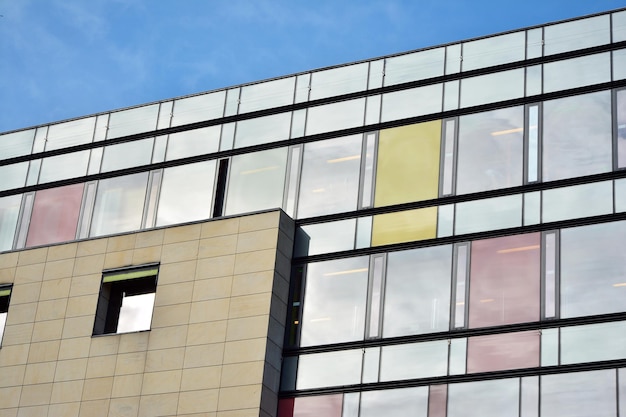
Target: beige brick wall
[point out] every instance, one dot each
(215, 342)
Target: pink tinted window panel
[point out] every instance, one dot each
(323, 405)
(437, 401)
(285, 407)
(55, 215)
(504, 280)
(503, 351)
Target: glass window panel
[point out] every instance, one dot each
(576, 72)
(376, 74)
(504, 280)
(622, 391)
(458, 356)
(490, 150)
(363, 232)
(503, 351)
(335, 116)
(532, 168)
(127, 155)
(619, 26)
(198, 108)
(9, 211)
(16, 144)
(404, 226)
(445, 220)
(413, 102)
(337, 81)
(417, 292)
(136, 313)
(533, 80)
(447, 174)
(100, 131)
(414, 360)
(160, 146)
(193, 142)
(460, 278)
(321, 405)
(371, 365)
(579, 394)
(488, 214)
(33, 172)
(621, 127)
(329, 369)
(490, 88)
(453, 59)
(368, 166)
(351, 402)
(23, 223)
(256, 181)
(408, 164)
(295, 153)
(592, 270)
(573, 202)
(579, 34)
(55, 215)
(72, 133)
(495, 50)
(298, 121)
(40, 139)
(372, 114)
(532, 208)
(119, 204)
(496, 398)
(620, 195)
(262, 130)
(577, 136)
(330, 176)
(530, 397)
(186, 193)
(550, 274)
(302, 87)
(232, 101)
(437, 400)
(13, 176)
(266, 95)
(165, 114)
(451, 95)
(95, 160)
(71, 165)
(327, 237)
(400, 402)
(334, 304)
(549, 347)
(594, 342)
(129, 122)
(534, 43)
(619, 64)
(415, 66)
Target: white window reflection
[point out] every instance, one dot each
(135, 313)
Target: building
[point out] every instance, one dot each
(430, 234)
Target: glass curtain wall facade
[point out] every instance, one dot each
(459, 214)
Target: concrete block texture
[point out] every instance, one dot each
(215, 330)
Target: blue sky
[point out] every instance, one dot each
(61, 59)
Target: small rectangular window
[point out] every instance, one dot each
(126, 301)
(5, 294)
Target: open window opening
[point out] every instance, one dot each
(126, 300)
(5, 294)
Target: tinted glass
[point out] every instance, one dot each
(504, 280)
(490, 150)
(13, 176)
(70, 165)
(495, 50)
(404, 226)
(266, 95)
(72, 133)
(326, 405)
(592, 270)
(413, 102)
(408, 164)
(573, 202)
(55, 215)
(577, 136)
(594, 342)
(497, 398)
(16, 144)
(330, 176)
(262, 130)
(198, 108)
(579, 34)
(137, 120)
(193, 142)
(500, 86)
(119, 204)
(326, 237)
(621, 127)
(127, 155)
(186, 193)
(395, 402)
(334, 303)
(337, 81)
(503, 351)
(335, 116)
(256, 181)
(576, 72)
(329, 369)
(399, 362)
(417, 292)
(9, 210)
(488, 214)
(415, 66)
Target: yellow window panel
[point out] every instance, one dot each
(404, 226)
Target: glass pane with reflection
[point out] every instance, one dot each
(576, 72)
(320, 405)
(500, 86)
(334, 301)
(579, 394)
(186, 193)
(198, 108)
(592, 270)
(256, 181)
(337, 81)
(494, 50)
(620, 110)
(490, 150)
(193, 142)
(414, 360)
(593, 342)
(9, 210)
(13, 176)
(17, 143)
(55, 215)
(505, 280)
(413, 102)
(488, 214)
(326, 237)
(417, 292)
(577, 136)
(119, 204)
(400, 402)
(578, 34)
(60, 167)
(127, 155)
(266, 95)
(496, 398)
(330, 176)
(573, 202)
(262, 130)
(137, 120)
(415, 66)
(72, 133)
(404, 226)
(335, 116)
(329, 369)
